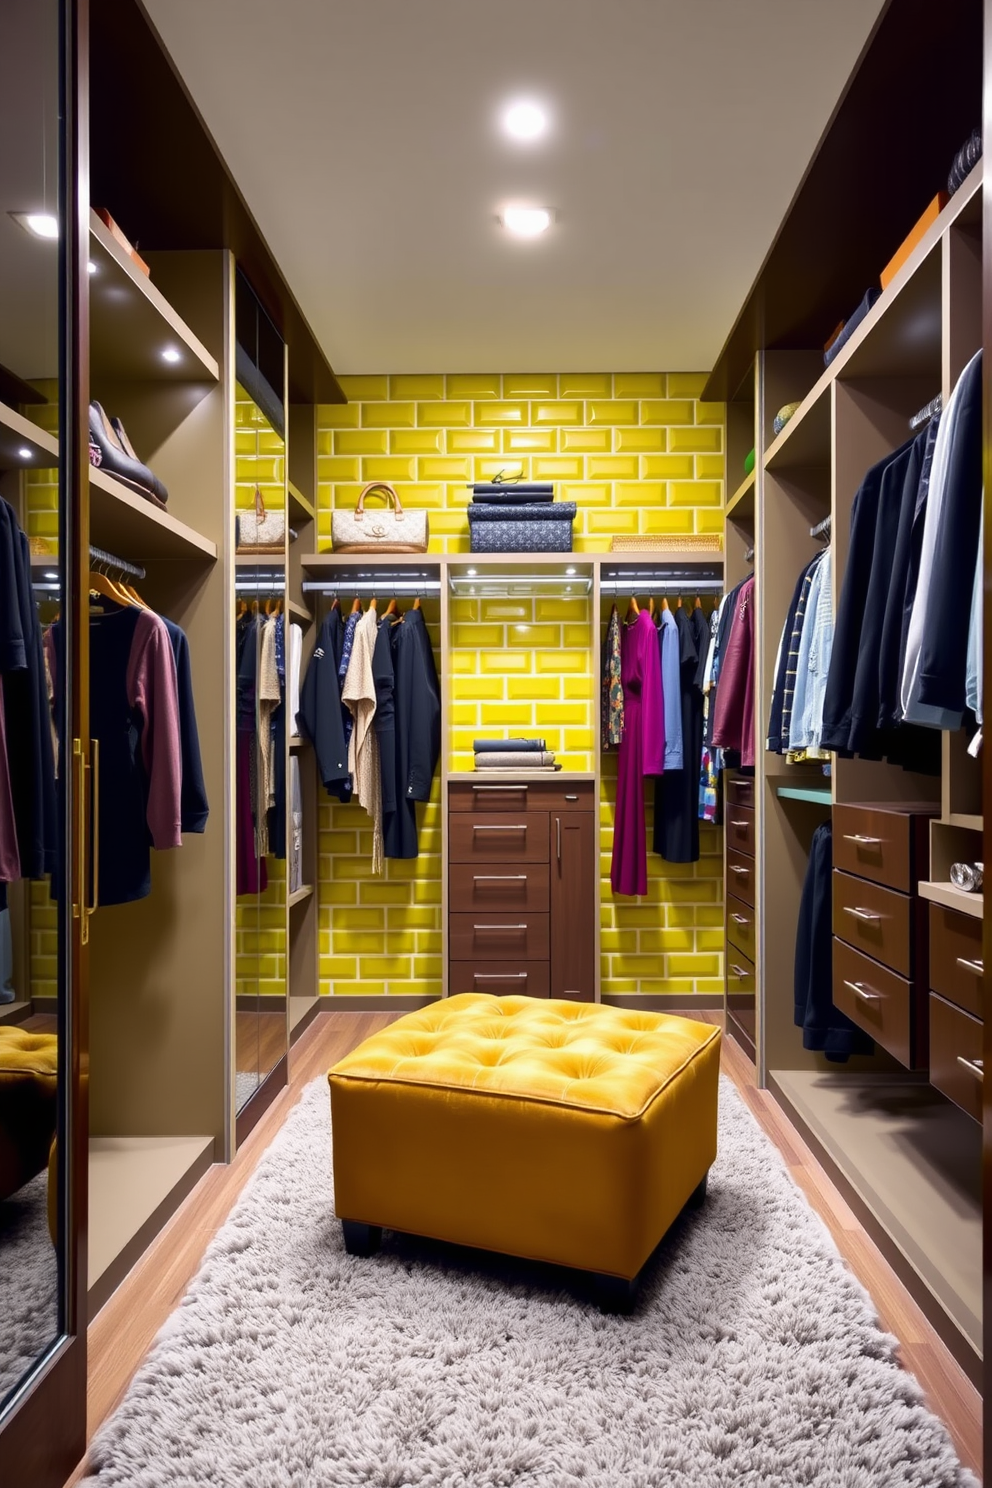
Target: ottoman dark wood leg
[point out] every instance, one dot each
(698, 1196)
(616, 1294)
(361, 1239)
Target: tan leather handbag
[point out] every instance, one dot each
(391, 530)
(260, 531)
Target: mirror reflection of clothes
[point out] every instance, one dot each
(641, 751)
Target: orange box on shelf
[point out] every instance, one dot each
(929, 217)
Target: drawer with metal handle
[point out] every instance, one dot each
(740, 790)
(740, 927)
(888, 1007)
(489, 936)
(502, 837)
(741, 875)
(957, 967)
(956, 1066)
(890, 847)
(500, 978)
(560, 794)
(739, 827)
(499, 886)
(877, 921)
(741, 982)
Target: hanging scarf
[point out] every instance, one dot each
(612, 695)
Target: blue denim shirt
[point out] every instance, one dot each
(671, 686)
(813, 664)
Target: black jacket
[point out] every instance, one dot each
(839, 698)
(417, 707)
(902, 581)
(824, 1027)
(319, 718)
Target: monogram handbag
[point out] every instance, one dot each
(391, 530)
(260, 531)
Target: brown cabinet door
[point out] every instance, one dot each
(956, 963)
(740, 875)
(739, 827)
(502, 837)
(473, 887)
(490, 935)
(877, 921)
(956, 1065)
(889, 846)
(573, 854)
(500, 978)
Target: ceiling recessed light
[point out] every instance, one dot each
(471, 572)
(91, 266)
(170, 354)
(25, 453)
(39, 224)
(570, 571)
(525, 120)
(50, 574)
(526, 222)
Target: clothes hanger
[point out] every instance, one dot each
(632, 608)
(699, 603)
(416, 603)
(356, 606)
(391, 607)
(664, 602)
(100, 584)
(335, 603)
(651, 606)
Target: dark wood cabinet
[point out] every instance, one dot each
(573, 904)
(523, 862)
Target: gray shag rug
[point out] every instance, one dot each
(754, 1356)
(28, 1282)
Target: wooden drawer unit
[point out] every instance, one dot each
(956, 1067)
(498, 887)
(527, 795)
(741, 875)
(500, 978)
(956, 965)
(740, 927)
(874, 920)
(888, 1007)
(740, 790)
(492, 936)
(499, 837)
(739, 827)
(887, 845)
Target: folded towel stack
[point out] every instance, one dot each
(514, 754)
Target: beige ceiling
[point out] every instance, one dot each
(364, 136)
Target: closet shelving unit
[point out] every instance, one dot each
(439, 577)
(908, 1159)
(159, 968)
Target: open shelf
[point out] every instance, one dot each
(741, 504)
(817, 793)
(952, 897)
(297, 741)
(299, 507)
(259, 560)
(914, 1161)
(972, 823)
(17, 434)
(299, 612)
(804, 443)
(128, 525)
(298, 896)
(132, 323)
(135, 1184)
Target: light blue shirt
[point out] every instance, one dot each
(813, 663)
(672, 689)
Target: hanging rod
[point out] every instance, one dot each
(110, 560)
(374, 588)
(99, 557)
(663, 586)
(927, 412)
(822, 529)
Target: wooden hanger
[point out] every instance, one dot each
(100, 584)
(699, 603)
(632, 609)
(356, 605)
(391, 607)
(335, 603)
(678, 603)
(135, 597)
(372, 603)
(651, 606)
(664, 602)
(416, 603)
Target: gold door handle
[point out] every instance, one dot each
(78, 889)
(93, 898)
(978, 967)
(558, 831)
(974, 1067)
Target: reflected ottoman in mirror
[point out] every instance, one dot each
(28, 1264)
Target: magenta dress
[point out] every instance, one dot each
(642, 751)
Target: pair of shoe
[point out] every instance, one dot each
(111, 450)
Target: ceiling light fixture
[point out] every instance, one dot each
(526, 222)
(91, 266)
(24, 453)
(525, 120)
(38, 224)
(170, 354)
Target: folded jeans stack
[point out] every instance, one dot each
(522, 517)
(514, 754)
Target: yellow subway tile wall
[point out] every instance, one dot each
(380, 935)
(639, 453)
(260, 920)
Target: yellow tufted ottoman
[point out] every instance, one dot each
(28, 1104)
(559, 1131)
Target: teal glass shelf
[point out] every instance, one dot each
(820, 794)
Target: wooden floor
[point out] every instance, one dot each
(121, 1334)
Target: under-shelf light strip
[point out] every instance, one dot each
(385, 587)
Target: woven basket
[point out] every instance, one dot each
(707, 542)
